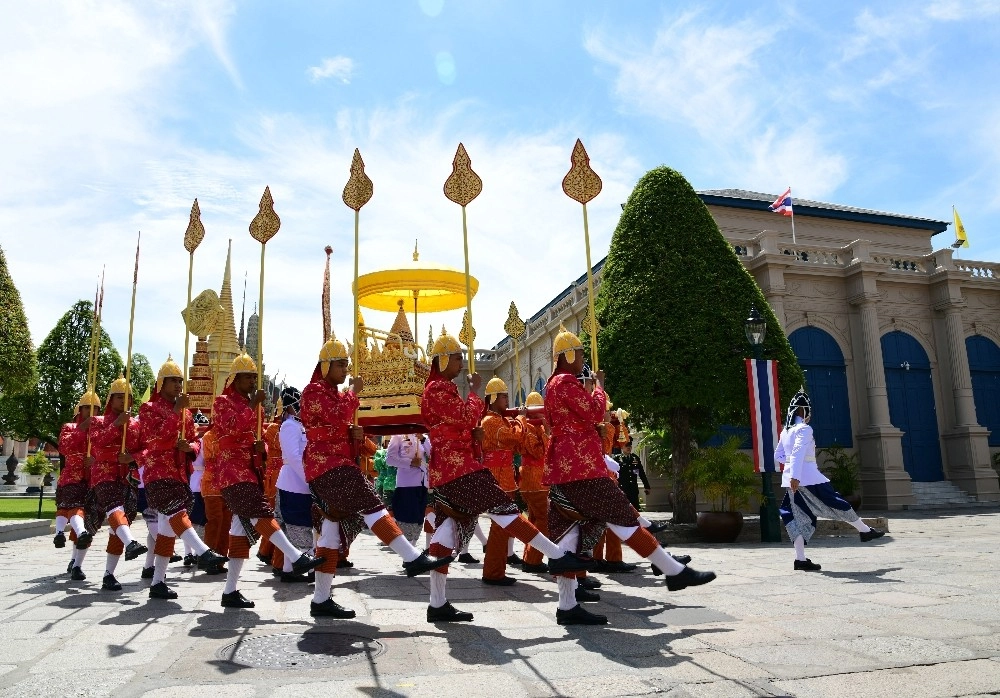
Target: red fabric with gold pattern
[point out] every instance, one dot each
(73, 447)
(159, 428)
(503, 436)
(533, 455)
(575, 451)
(326, 414)
(235, 427)
(210, 447)
(450, 421)
(274, 460)
(106, 444)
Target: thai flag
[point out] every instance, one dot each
(783, 204)
(762, 382)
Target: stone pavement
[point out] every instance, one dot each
(915, 614)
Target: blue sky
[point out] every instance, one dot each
(117, 115)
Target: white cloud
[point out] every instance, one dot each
(339, 67)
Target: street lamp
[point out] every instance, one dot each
(755, 328)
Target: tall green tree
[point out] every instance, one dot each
(18, 365)
(672, 303)
(141, 376)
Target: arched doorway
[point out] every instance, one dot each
(984, 365)
(911, 405)
(826, 382)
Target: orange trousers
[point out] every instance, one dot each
(611, 545)
(266, 548)
(220, 519)
(538, 514)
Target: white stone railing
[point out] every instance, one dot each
(979, 270)
(814, 255)
(911, 264)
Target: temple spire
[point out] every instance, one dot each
(222, 343)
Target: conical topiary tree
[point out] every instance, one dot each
(18, 367)
(672, 303)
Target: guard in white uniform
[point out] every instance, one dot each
(808, 493)
(293, 506)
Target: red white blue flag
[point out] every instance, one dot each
(783, 204)
(762, 382)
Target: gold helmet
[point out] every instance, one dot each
(496, 387)
(119, 386)
(534, 400)
(242, 364)
(444, 347)
(89, 399)
(333, 350)
(169, 369)
(566, 343)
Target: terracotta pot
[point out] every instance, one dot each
(720, 526)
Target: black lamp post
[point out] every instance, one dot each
(755, 328)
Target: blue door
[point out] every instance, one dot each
(984, 364)
(911, 405)
(826, 382)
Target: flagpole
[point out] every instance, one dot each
(131, 328)
(793, 216)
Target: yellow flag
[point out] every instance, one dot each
(960, 238)
(146, 395)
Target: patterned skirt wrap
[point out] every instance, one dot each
(592, 504)
(465, 498)
(93, 515)
(246, 500)
(810, 502)
(168, 497)
(344, 495)
(113, 494)
(72, 496)
(294, 512)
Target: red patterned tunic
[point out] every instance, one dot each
(575, 451)
(106, 444)
(73, 447)
(326, 414)
(503, 436)
(450, 421)
(234, 424)
(274, 460)
(533, 455)
(159, 427)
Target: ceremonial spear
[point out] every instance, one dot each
(462, 186)
(131, 328)
(515, 327)
(582, 184)
(95, 347)
(193, 236)
(263, 227)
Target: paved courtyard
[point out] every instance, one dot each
(915, 614)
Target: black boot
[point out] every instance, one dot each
(209, 559)
(110, 583)
(236, 600)
(60, 540)
(807, 565)
(425, 563)
(147, 572)
(447, 614)
(688, 578)
(586, 595)
(578, 615)
(570, 562)
(134, 550)
(467, 559)
(305, 563)
(160, 590)
(83, 540)
(330, 609)
(77, 575)
(865, 537)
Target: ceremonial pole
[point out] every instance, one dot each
(263, 227)
(582, 184)
(462, 186)
(95, 348)
(515, 327)
(131, 328)
(193, 236)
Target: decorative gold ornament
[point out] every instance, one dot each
(195, 232)
(586, 326)
(581, 183)
(359, 188)
(266, 223)
(463, 184)
(430, 340)
(514, 326)
(325, 303)
(205, 314)
(467, 335)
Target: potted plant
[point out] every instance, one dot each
(655, 448)
(36, 466)
(844, 470)
(724, 475)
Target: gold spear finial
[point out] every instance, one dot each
(463, 185)
(514, 326)
(266, 223)
(467, 335)
(581, 183)
(195, 232)
(359, 188)
(416, 254)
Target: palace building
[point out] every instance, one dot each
(899, 340)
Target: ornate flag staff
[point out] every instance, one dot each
(582, 184)
(357, 192)
(462, 186)
(131, 328)
(325, 301)
(515, 327)
(263, 227)
(193, 236)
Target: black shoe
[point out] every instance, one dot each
(69, 567)
(160, 590)
(570, 562)
(77, 575)
(147, 572)
(110, 583)
(688, 578)
(578, 615)
(236, 600)
(447, 614)
(619, 567)
(60, 540)
(330, 609)
(468, 559)
(277, 571)
(134, 550)
(514, 560)
(540, 568)
(425, 563)
(600, 566)
(176, 558)
(588, 583)
(807, 565)
(865, 537)
(213, 570)
(83, 540)
(266, 559)
(305, 563)
(586, 595)
(683, 559)
(292, 578)
(657, 526)
(502, 582)
(208, 559)
(190, 560)
(344, 563)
